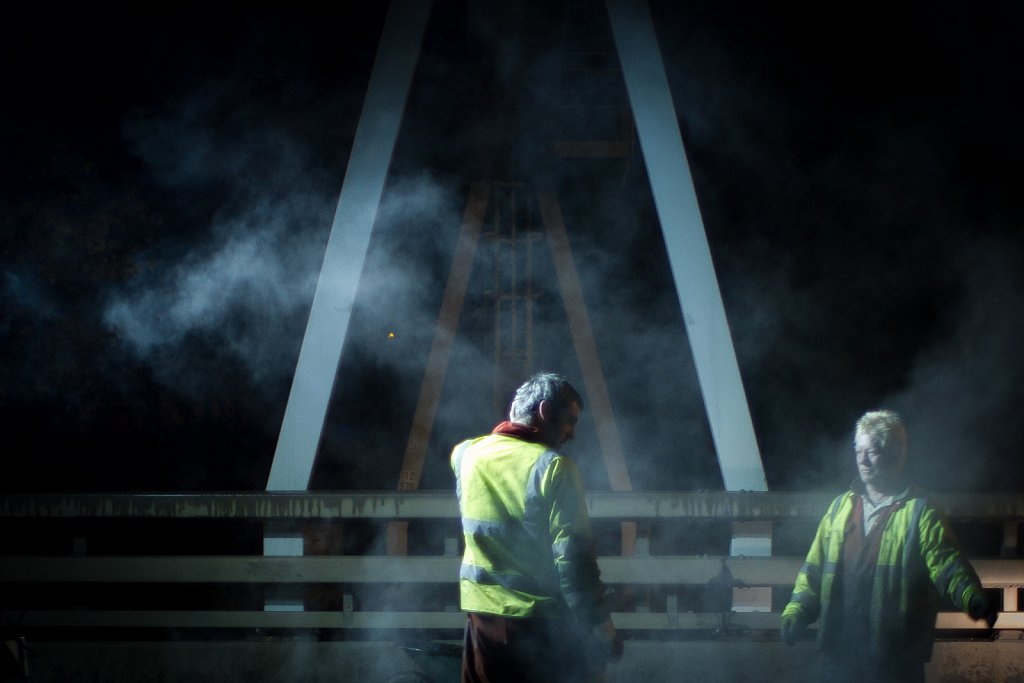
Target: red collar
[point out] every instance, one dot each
(519, 431)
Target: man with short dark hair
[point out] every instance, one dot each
(529, 579)
(880, 562)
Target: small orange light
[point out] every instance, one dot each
(391, 335)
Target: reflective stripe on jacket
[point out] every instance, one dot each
(919, 563)
(529, 551)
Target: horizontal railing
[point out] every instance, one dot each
(738, 506)
(648, 571)
(642, 573)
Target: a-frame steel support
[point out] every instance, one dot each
(682, 226)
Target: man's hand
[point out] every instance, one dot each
(791, 626)
(610, 640)
(980, 607)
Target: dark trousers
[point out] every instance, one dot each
(501, 650)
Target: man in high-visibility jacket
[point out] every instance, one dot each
(882, 560)
(529, 579)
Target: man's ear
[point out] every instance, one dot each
(545, 411)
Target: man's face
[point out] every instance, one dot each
(875, 464)
(560, 426)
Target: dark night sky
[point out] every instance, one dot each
(169, 180)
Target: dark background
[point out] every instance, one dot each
(170, 175)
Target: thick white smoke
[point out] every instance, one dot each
(245, 292)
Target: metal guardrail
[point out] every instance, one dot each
(669, 620)
(297, 506)
(641, 572)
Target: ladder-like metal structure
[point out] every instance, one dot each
(511, 237)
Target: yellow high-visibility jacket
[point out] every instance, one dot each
(529, 551)
(919, 563)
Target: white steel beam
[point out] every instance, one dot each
(349, 239)
(347, 244)
(687, 246)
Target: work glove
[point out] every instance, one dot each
(610, 640)
(791, 626)
(980, 607)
